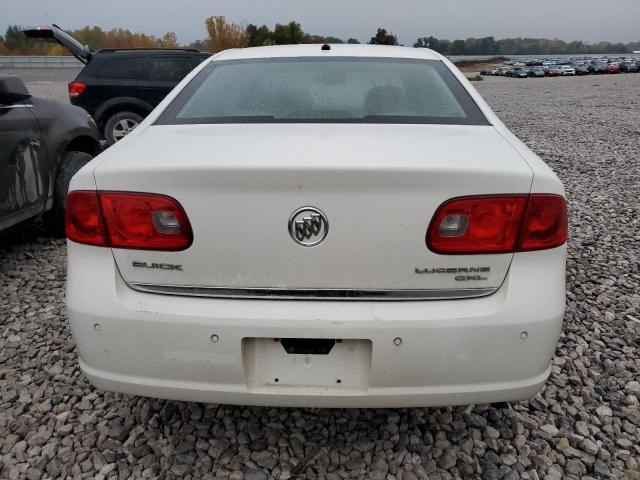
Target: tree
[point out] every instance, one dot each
(383, 38)
(259, 36)
(353, 41)
(441, 46)
(458, 47)
(94, 37)
(169, 40)
(223, 35)
(16, 42)
(288, 34)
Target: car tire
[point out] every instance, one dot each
(69, 166)
(119, 125)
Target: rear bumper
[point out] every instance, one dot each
(490, 349)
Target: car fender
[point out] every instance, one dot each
(120, 104)
(60, 125)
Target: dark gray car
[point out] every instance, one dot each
(43, 143)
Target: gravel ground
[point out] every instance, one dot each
(584, 424)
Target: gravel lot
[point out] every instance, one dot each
(45, 82)
(585, 423)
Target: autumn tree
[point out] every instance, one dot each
(383, 38)
(169, 40)
(223, 35)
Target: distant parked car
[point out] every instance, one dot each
(567, 70)
(43, 143)
(613, 68)
(536, 72)
(119, 87)
(582, 70)
(629, 67)
(599, 68)
(555, 71)
(521, 72)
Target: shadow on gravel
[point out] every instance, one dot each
(26, 232)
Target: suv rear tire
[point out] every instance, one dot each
(69, 166)
(119, 125)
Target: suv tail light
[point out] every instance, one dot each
(76, 89)
(141, 221)
(498, 224)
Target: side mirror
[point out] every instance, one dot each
(12, 90)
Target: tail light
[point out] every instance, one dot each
(83, 222)
(545, 223)
(140, 221)
(76, 89)
(498, 224)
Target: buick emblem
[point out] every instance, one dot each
(308, 226)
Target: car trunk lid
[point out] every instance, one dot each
(378, 186)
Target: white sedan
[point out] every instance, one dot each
(307, 225)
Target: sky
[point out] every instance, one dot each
(587, 20)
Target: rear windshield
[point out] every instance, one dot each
(324, 90)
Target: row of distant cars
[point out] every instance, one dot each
(564, 67)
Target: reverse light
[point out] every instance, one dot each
(498, 224)
(76, 89)
(140, 221)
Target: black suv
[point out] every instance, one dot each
(119, 87)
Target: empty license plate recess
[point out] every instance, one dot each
(268, 366)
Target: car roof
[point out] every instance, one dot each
(137, 52)
(337, 50)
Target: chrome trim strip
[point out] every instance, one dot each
(16, 105)
(311, 293)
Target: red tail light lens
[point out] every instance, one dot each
(545, 224)
(491, 225)
(140, 221)
(145, 221)
(83, 221)
(498, 224)
(76, 89)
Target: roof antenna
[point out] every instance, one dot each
(326, 47)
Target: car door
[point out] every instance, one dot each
(24, 172)
(161, 73)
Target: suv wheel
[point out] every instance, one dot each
(69, 166)
(119, 125)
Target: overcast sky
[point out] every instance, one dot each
(588, 20)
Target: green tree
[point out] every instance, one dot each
(353, 41)
(15, 40)
(383, 38)
(458, 47)
(258, 36)
(288, 34)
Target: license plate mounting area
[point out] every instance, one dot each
(317, 365)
